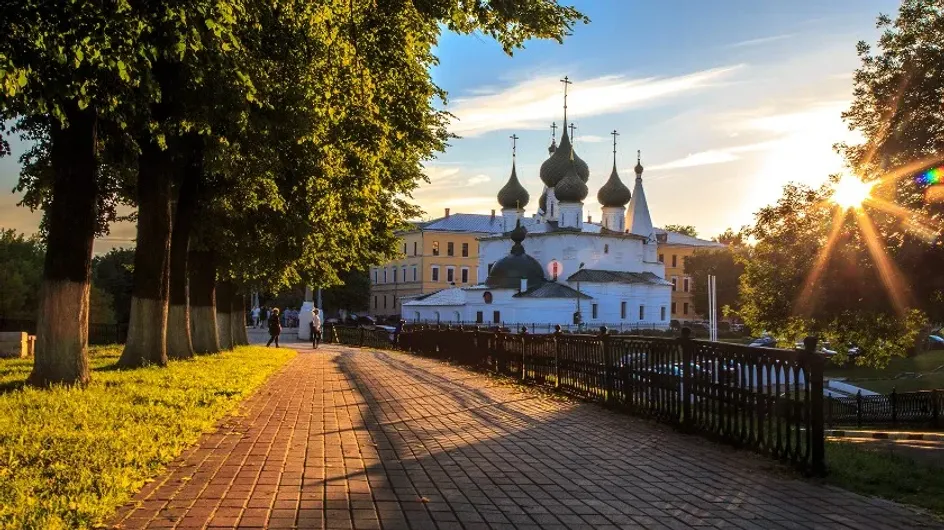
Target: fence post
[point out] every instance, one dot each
(859, 409)
(557, 346)
(524, 353)
(814, 369)
(362, 338)
(607, 364)
(894, 399)
(935, 408)
(688, 353)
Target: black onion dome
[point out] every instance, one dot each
(571, 188)
(614, 192)
(516, 266)
(513, 194)
(638, 168)
(583, 170)
(555, 167)
(542, 202)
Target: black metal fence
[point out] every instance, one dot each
(98, 334)
(922, 408)
(765, 399)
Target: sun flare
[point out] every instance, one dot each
(851, 192)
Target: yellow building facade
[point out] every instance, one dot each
(673, 249)
(433, 256)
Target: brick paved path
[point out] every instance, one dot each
(346, 438)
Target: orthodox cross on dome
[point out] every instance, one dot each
(554, 130)
(614, 134)
(639, 156)
(566, 80)
(514, 145)
(572, 127)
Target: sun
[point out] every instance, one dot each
(851, 192)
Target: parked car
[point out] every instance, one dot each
(764, 342)
(935, 342)
(366, 322)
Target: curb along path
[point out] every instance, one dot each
(347, 438)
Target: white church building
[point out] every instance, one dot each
(555, 268)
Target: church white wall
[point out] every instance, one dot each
(595, 251)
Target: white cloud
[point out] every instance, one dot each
(530, 104)
(478, 179)
(590, 138)
(760, 40)
(714, 156)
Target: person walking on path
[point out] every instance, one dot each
(315, 328)
(396, 333)
(275, 327)
(255, 317)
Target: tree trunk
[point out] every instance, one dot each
(224, 302)
(147, 330)
(203, 327)
(61, 354)
(179, 341)
(238, 320)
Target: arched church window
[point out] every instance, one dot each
(416, 316)
(458, 316)
(436, 316)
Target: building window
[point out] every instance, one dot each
(606, 249)
(375, 301)
(674, 260)
(623, 310)
(465, 250)
(414, 248)
(465, 275)
(661, 258)
(394, 275)
(593, 311)
(685, 282)
(435, 273)
(435, 248)
(450, 274)
(385, 301)
(662, 313)
(416, 316)
(403, 270)
(685, 308)
(642, 312)
(375, 276)
(414, 273)
(450, 249)
(674, 283)
(385, 275)
(479, 317)
(404, 248)
(674, 308)
(496, 317)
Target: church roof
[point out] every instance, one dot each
(552, 290)
(638, 220)
(450, 296)
(516, 266)
(603, 276)
(467, 222)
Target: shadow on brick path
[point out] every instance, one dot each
(346, 438)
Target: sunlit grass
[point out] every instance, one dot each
(69, 457)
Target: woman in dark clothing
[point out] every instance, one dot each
(275, 327)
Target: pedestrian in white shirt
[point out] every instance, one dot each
(315, 327)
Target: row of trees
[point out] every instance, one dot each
(869, 276)
(260, 143)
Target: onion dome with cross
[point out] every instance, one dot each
(513, 194)
(614, 192)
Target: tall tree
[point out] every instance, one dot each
(687, 230)
(725, 265)
(73, 69)
(898, 91)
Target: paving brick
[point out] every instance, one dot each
(343, 438)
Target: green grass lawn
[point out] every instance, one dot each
(69, 456)
(882, 473)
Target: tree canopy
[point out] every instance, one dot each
(687, 230)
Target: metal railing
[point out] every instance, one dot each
(921, 408)
(764, 399)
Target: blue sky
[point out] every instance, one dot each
(728, 100)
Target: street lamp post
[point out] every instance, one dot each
(579, 315)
